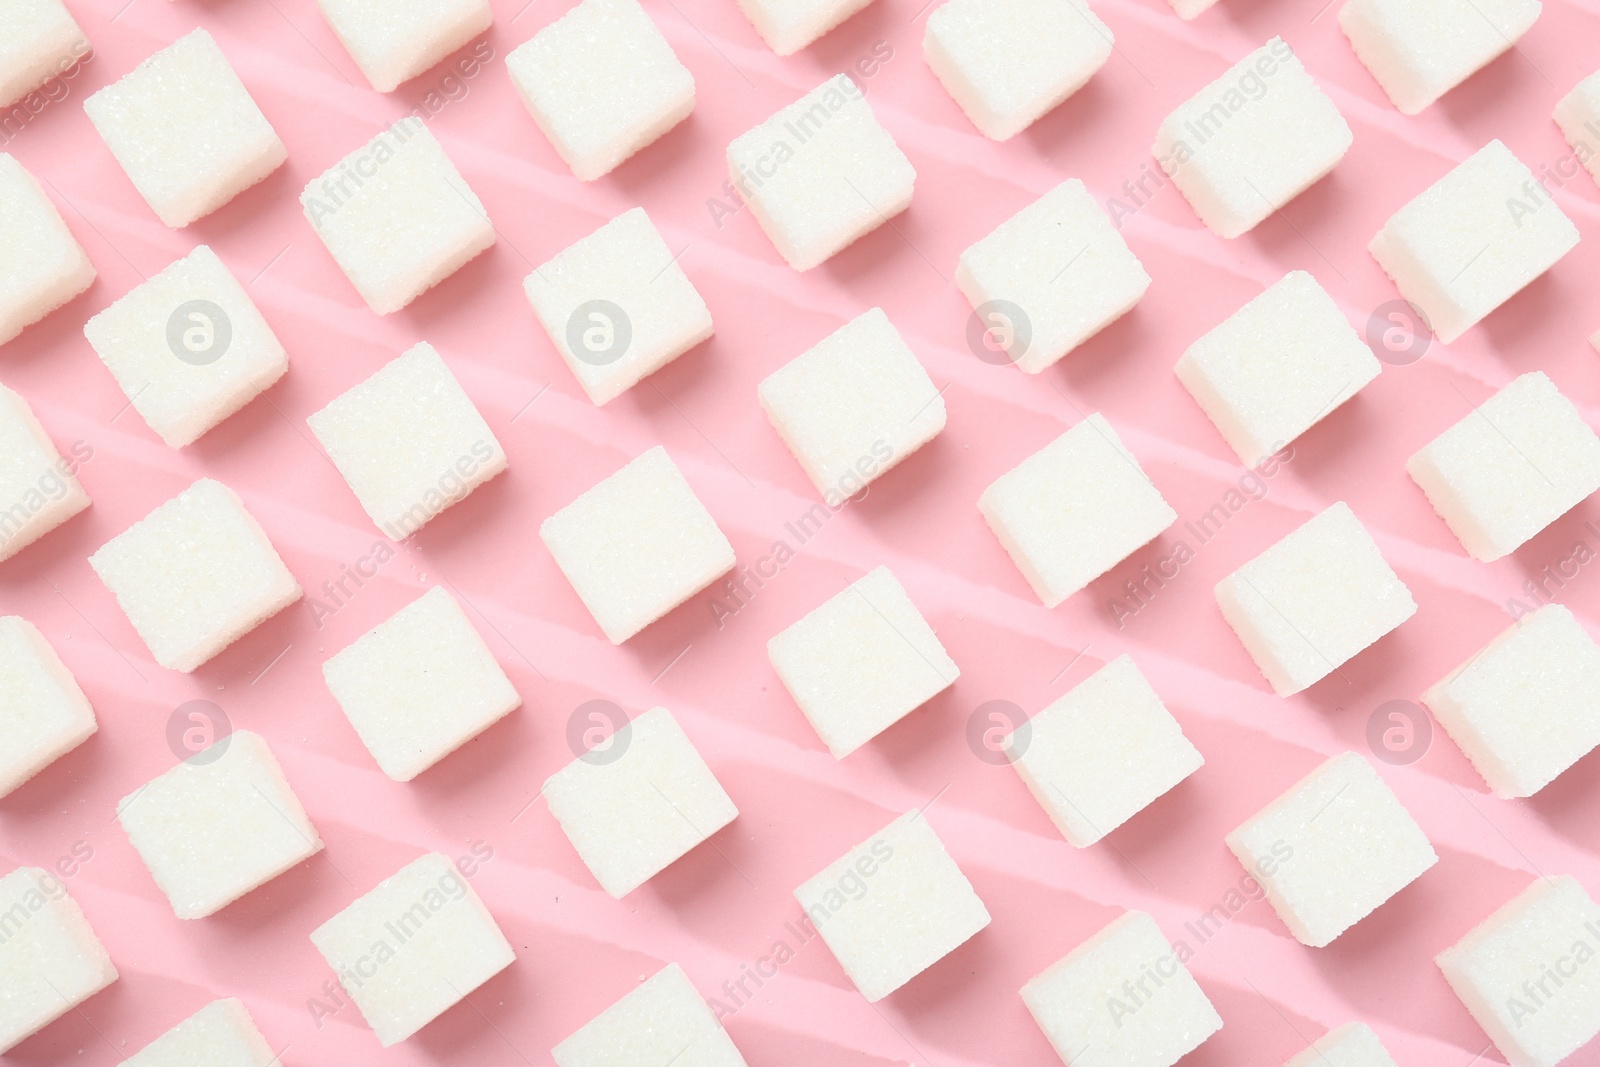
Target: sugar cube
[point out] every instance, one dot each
(1331, 849)
(1527, 706)
(1253, 140)
(186, 131)
(1525, 973)
(38, 41)
(861, 662)
(195, 575)
(637, 545)
(1126, 994)
(893, 906)
(1352, 1045)
(39, 488)
(1074, 509)
(221, 1034)
(414, 947)
(1418, 50)
(42, 266)
(1595, 341)
(1578, 115)
(43, 713)
(617, 305)
(1102, 753)
(821, 172)
(188, 347)
(1473, 241)
(1191, 9)
(663, 1021)
(1277, 367)
(50, 960)
(789, 25)
(602, 83)
(396, 215)
(1309, 603)
(409, 441)
(1049, 278)
(1519, 461)
(853, 405)
(393, 41)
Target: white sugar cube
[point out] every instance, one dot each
(50, 960)
(617, 305)
(1074, 509)
(1473, 241)
(1526, 973)
(1527, 706)
(853, 405)
(1309, 603)
(39, 488)
(1353, 1045)
(821, 173)
(186, 131)
(1191, 9)
(42, 266)
(602, 83)
(1418, 50)
(637, 545)
(1007, 62)
(1102, 753)
(1332, 849)
(188, 347)
(396, 215)
(861, 662)
(38, 41)
(221, 1034)
(195, 575)
(789, 25)
(641, 807)
(43, 713)
(409, 441)
(1124, 996)
(1519, 461)
(663, 1021)
(893, 906)
(1253, 140)
(1595, 341)
(414, 947)
(420, 685)
(393, 41)
(1050, 277)
(1277, 367)
(1578, 115)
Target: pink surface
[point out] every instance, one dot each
(720, 910)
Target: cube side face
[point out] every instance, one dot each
(663, 1018)
(221, 1034)
(393, 42)
(38, 40)
(1578, 115)
(1418, 50)
(1352, 1045)
(790, 25)
(42, 266)
(38, 488)
(43, 713)
(50, 959)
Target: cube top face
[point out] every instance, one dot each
(195, 575)
(1332, 849)
(38, 40)
(1007, 62)
(420, 685)
(602, 83)
(789, 25)
(640, 806)
(1521, 460)
(1100, 994)
(893, 906)
(821, 173)
(1473, 241)
(43, 713)
(408, 441)
(38, 488)
(1527, 706)
(1352, 1045)
(393, 41)
(50, 960)
(1075, 509)
(637, 545)
(853, 405)
(861, 662)
(1418, 50)
(617, 306)
(221, 1034)
(1276, 367)
(186, 130)
(1252, 140)
(42, 266)
(663, 1020)
(1191, 9)
(1101, 753)
(188, 347)
(1051, 276)
(1578, 115)
(414, 947)
(396, 215)
(1309, 603)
